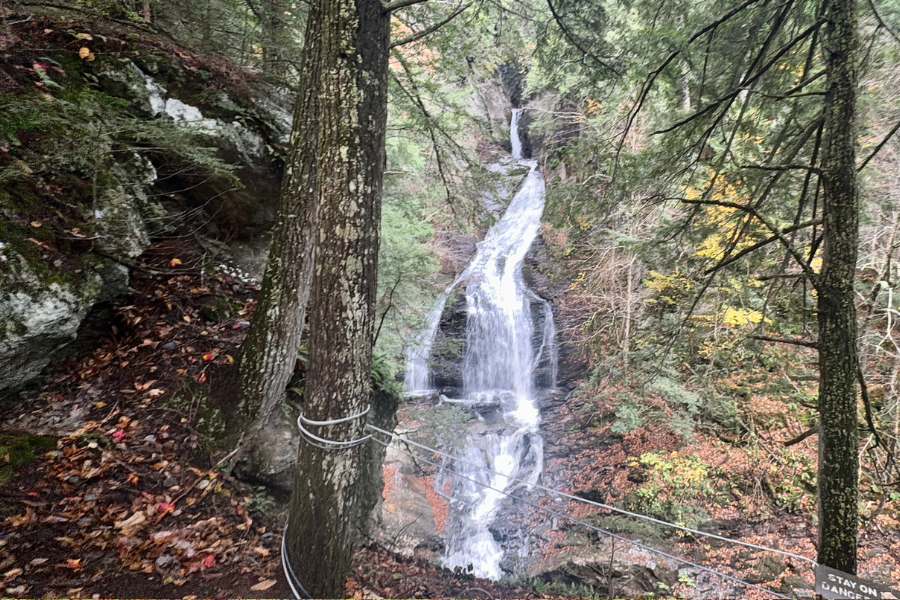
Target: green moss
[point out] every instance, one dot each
(22, 200)
(20, 450)
(216, 309)
(194, 404)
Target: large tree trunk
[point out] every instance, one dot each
(838, 441)
(269, 353)
(324, 507)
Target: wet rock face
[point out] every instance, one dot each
(449, 346)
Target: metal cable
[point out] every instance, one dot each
(336, 421)
(609, 507)
(324, 443)
(297, 588)
(600, 530)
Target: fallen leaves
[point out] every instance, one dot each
(165, 508)
(130, 525)
(262, 586)
(119, 493)
(74, 564)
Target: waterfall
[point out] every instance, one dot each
(499, 370)
(514, 141)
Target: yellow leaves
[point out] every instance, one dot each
(727, 222)
(711, 247)
(175, 262)
(584, 223)
(662, 283)
(85, 54)
(687, 471)
(592, 107)
(579, 280)
(816, 264)
(742, 317)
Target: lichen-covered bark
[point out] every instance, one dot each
(838, 443)
(352, 117)
(270, 350)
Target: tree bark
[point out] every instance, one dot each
(274, 30)
(269, 353)
(324, 508)
(838, 440)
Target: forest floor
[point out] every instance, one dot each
(117, 488)
(114, 485)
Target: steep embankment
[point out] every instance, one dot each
(111, 140)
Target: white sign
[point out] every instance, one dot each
(832, 584)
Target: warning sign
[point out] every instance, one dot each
(834, 584)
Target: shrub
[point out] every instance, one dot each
(674, 488)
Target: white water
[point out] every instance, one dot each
(498, 370)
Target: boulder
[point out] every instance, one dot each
(41, 311)
(605, 564)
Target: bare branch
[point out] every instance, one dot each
(429, 30)
(735, 257)
(797, 439)
(398, 4)
(791, 341)
(879, 146)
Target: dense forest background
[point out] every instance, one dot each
(142, 150)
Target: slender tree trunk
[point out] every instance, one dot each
(324, 508)
(274, 30)
(839, 436)
(269, 353)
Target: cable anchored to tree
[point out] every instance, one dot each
(325, 443)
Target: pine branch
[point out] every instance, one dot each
(789, 167)
(881, 22)
(572, 40)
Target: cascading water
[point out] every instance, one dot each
(499, 370)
